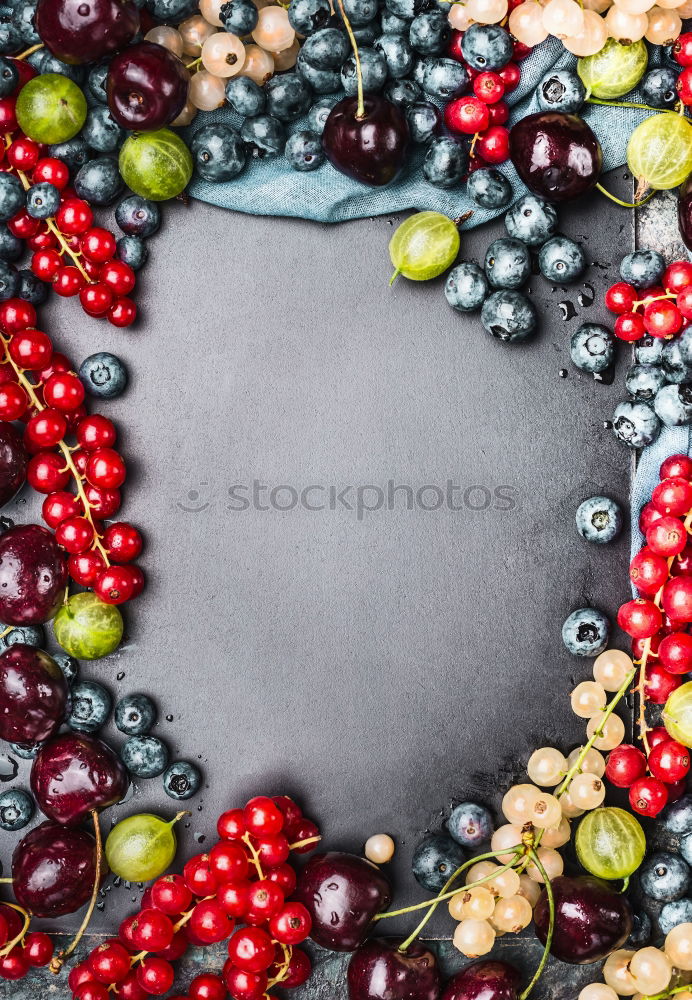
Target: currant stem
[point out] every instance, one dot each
(298, 843)
(255, 855)
(551, 924)
(360, 111)
(7, 948)
(626, 204)
(59, 960)
(29, 51)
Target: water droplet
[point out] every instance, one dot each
(8, 767)
(129, 794)
(169, 718)
(606, 378)
(200, 837)
(563, 373)
(117, 880)
(100, 905)
(607, 425)
(567, 309)
(119, 676)
(586, 298)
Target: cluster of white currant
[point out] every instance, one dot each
(505, 903)
(217, 55)
(648, 971)
(581, 26)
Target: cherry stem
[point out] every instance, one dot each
(59, 960)
(551, 924)
(19, 937)
(30, 51)
(298, 843)
(360, 111)
(626, 204)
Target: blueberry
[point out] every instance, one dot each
(104, 375)
(181, 780)
(407, 9)
(245, 96)
(368, 34)
(658, 87)
(424, 121)
(420, 67)
(509, 316)
(643, 268)
(673, 405)
(42, 200)
(429, 33)
(586, 632)
(11, 196)
(51, 64)
(319, 112)
(135, 714)
(10, 34)
(507, 263)
(486, 46)
(288, 97)
(217, 152)
(173, 11)
(308, 16)
(9, 77)
(444, 78)
(531, 220)
(403, 93)
(664, 877)
(68, 665)
(240, 17)
(96, 82)
(16, 809)
(561, 260)
(11, 247)
(466, 287)
(133, 251)
(74, 152)
(99, 181)
(394, 25)
(649, 350)
(397, 53)
(360, 12)
(144, 756)
(489, 188)
(641, 931)
(676, 365)
(25, 751)
(435, 860)
(446, 162)
(101, 132)
(27, 635)
(91, 706)
(26, 14)
(679, 911)
(677, 817)
(643, 381)
(322, 81)
(470, 825)
(635, 424)
(373, 67)
(304, 150)
(9, 281)
(32, 288)
(561, 90)
(136, 216)
(326, 49)
(599, 519)
(264, 134)
(592, 348)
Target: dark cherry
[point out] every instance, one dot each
(75, 773)
(13, 462)
(371, 149)
(33, 695)
(79, 31)
(342, 893)
(591, 919)
(556, 155)
(33, 575)
(685, 212)
(147, 86)
(379, 971)
(54, 869)
(484, 980)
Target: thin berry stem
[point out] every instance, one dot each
(360, 111)
(255, 855)
(29, 51)
(298, 843)
(59, 960)
(623, 104)
(7, 948)
(626, 204)
(551, 924)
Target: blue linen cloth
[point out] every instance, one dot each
(272, 187)
(671, 441)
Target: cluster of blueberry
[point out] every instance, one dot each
(531, 223)
(665, 878)
(89, 709)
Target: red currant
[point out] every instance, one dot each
(251, 949)
(682, 49)
(640, 618)
(16, 314)
(669, 761)
(110, 962)
(129, 988)
(119, 277)
(662, 319)
(13, 401)
(152, 930)
(115, 585)
(51, 170)
(262, 816)
(23, 154)
(124, 543)
(8, 116)
(232, 897)
(96, 431)
(98, 245)
(85, 567)
(676, 465)
(677, 276)
(629, 327)
(466, 115)
(299, 969)
(207, 986)
(683, 301)
(673, 496)
(155, 975)
(47, 472)
(659, 684)
(667, 536)
(74, 217)
(648, 796)
(648, 571)
(493, 144)
(489, 88)
(105, 468)
(68, 281)
(96, 299)
(31, 349)
(228, 861)
(199, 877)
(244, 985)
(285, 877)
(170, 894)
(231, 825)
(625, 765)
(210, 923)
(23, 225)
(305, 831)
(122, 313)
(45, 429)
(498, 113)
(675, 653)
(521, 51)
(620, 298)
(272, 850)
(265, 899)
(677, 598)
(683, 86)
(510, 74)
(38, 949)
(454, 46)
(76, 534)
(291, 925)
(103, 503)
(45, 264)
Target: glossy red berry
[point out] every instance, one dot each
(662, 319)
(123, 543)
(129, 988)
(454, 46)
(676, 465)
(625, 765)
(682, 49)
(684, 302)
(51, 170)
(23, 154)
(232, 897)
(306, 835)
(96, 299)
(16, 314)
(683, 86)
(251, 949)
(498, 113)
(231, 825)
(489, 87)
(199, 877)
(677, 275)
(673, 496)
(103, 503)
(47, 472)
(669, 761)
(675, 653)
(152, 930)
(109, 962)
(244, 985)
(45, 264)
(209, 922)
(68, 281)
(659, 684)
(23, 225)
(115, 584)
(466, 115)
(38, 949)
(74, 217)
(510, 76)
(207, 986)
(119, 277)
(105, 468)
(95, 431)
(75, 534)
(676, 598)
(648, 796)
(228, 862)
(262, 816)
(299, 969)
(85, 567)
(667, 536)
(31, 349)
(648, 516)
(629, 327)
(493, 144)
(122, 313)
(98, 245)
(13, 401)
(285, 877)
(640, 618)
(272, 849)
(170, 894)
(8, 116)
(648, 571)
(155, 975)
(291, 925)
(265, 899)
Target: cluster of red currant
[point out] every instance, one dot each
(660, 312)
(39, 387)
(33, 951)
(658, 622)
(682, 53)
(237, 892)
(69, 252)
(484, 113)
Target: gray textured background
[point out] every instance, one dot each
(377, 669)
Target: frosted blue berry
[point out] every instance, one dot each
(304, 151)
(68, 665)
(11, 196)
(677, 817)
(446, 162)
(531, 220)
(677, 912)
(135, 714)
(373, 67)
(592, 348)
(28, 635)
(144, 756)
(90, 707)
(586, 632)
(181, 780)
(471, 825)
(137, 216)
(507, 263)
(643, 268)
(664, 877)
(16, 809)
(509, 316)
(561, 90)
(486, 46)
(643, 381)
(133, 251)
(429, 32)
(101, 132)
(217, 152)
(561, 260)
(673, 405)
(104, 375)
(264, 134)
(239, 16)
(99, 181)
(308, 16)
(635, 424)
(435, 860)
(424, 121)
(245, 96)
(489, 188)
(599, 520)
(466, 287)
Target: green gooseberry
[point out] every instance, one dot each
(155, 165)
(141, 847)
(424, 246)
(51, 108)
(614, 70)
(610, 843)
(88, 628)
